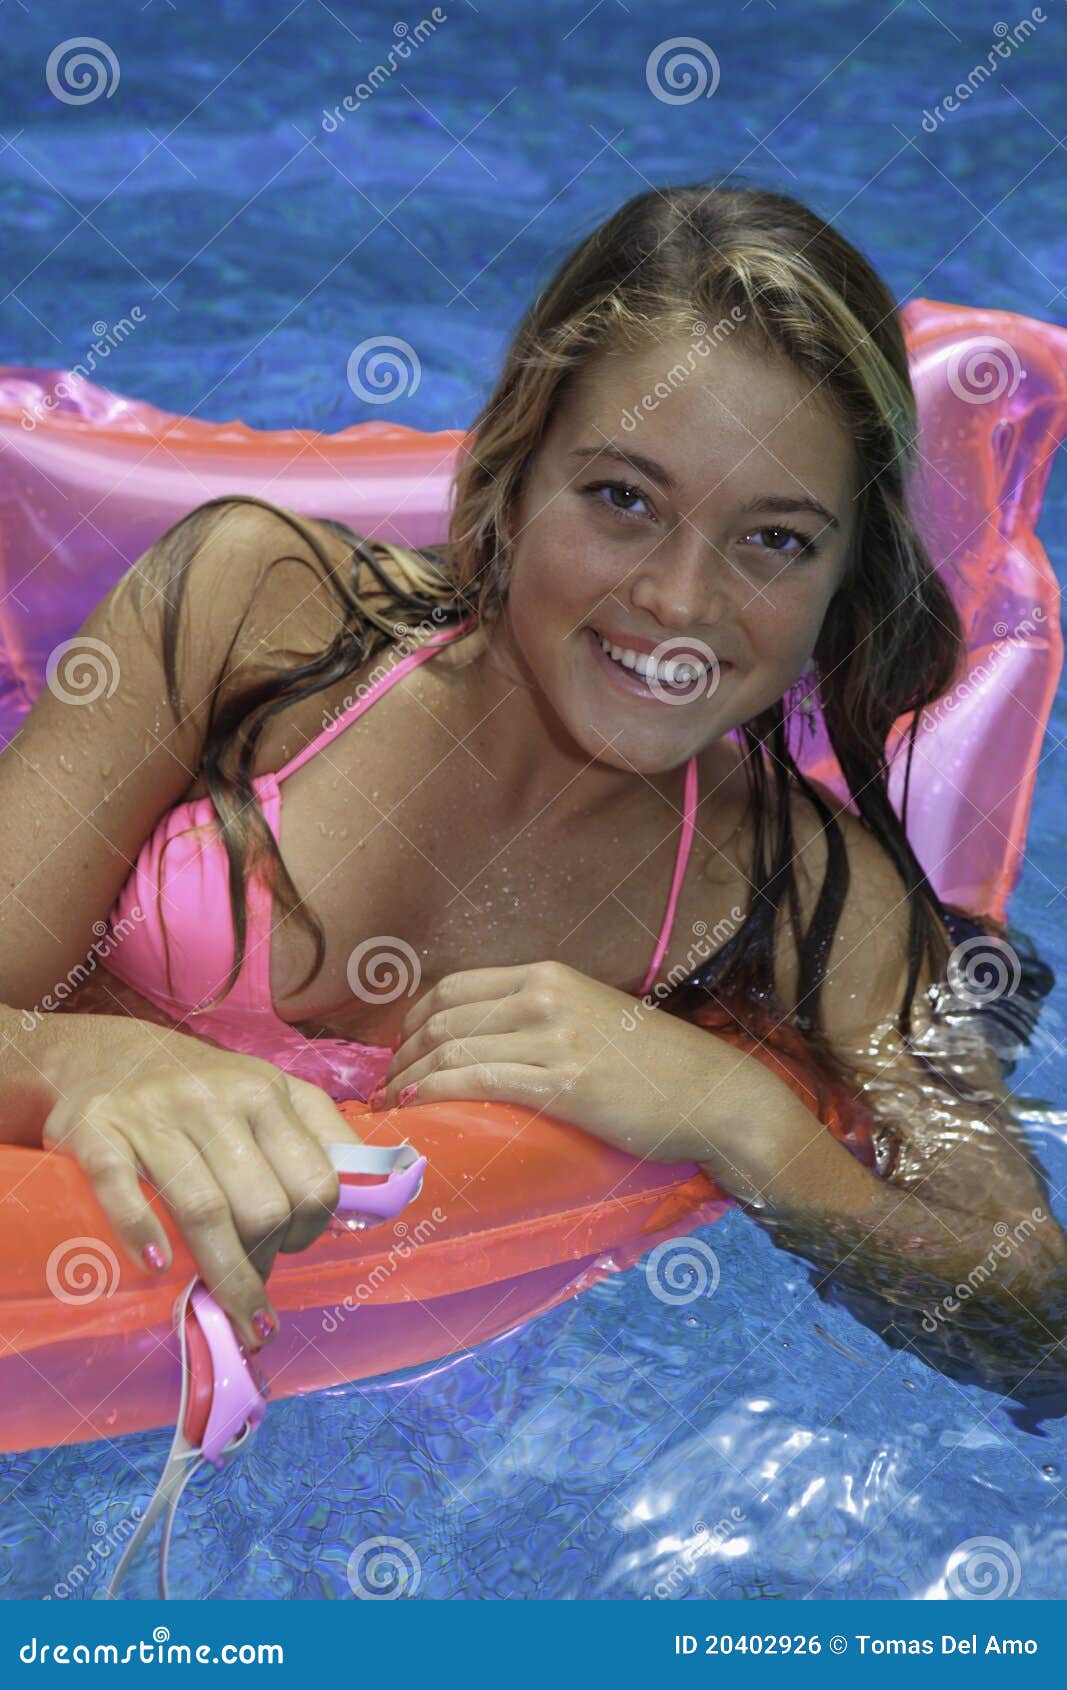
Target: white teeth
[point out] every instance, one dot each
(672, 672)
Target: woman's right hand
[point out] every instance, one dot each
(234, 1146)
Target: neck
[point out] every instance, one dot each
(536, 769)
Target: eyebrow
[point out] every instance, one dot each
(656, 472)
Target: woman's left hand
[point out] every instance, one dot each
(544, 1035)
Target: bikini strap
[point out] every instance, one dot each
(372, 694)
(688, 829)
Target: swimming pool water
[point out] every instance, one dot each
(756, 1442)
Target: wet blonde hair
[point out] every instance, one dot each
(891, 640)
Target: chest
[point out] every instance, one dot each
(415, 872)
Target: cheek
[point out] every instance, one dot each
(782, 626)
(558, 568)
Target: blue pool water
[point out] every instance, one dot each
(757, 1442)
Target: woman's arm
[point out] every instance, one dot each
(957, 1253)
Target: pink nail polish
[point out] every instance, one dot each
(153, 1257)
(408, 1094)
(264, 1324)
(376, 1100)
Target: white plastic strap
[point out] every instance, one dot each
(371, 1158)
(179, 1467)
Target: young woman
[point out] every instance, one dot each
(686, 498)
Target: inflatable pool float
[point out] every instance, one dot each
(516, 1212)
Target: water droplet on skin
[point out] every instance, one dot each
(105, 772)
(65, 765)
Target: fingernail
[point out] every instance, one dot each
(407, 1094)
(153, 1257)
(264, 1324)
(376, 1099)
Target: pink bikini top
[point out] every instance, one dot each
(193, 892)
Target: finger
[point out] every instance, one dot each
(319, 1114)
(488, 1051)
(501, 1082)
(112, 1169)
(469, 986)
(203, 1214)
(302, 1169)
(464, 1022)
(258, 1200)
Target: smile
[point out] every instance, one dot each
(638, 672)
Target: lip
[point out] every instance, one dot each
(642, 644)
(627, 680)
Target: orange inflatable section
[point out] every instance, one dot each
(517, 1213)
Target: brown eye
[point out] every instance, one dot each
(775, 538)
(597, 490)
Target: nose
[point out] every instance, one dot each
(682, 583)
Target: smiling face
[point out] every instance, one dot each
(721, 532)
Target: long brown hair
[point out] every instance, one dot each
(891, 642)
